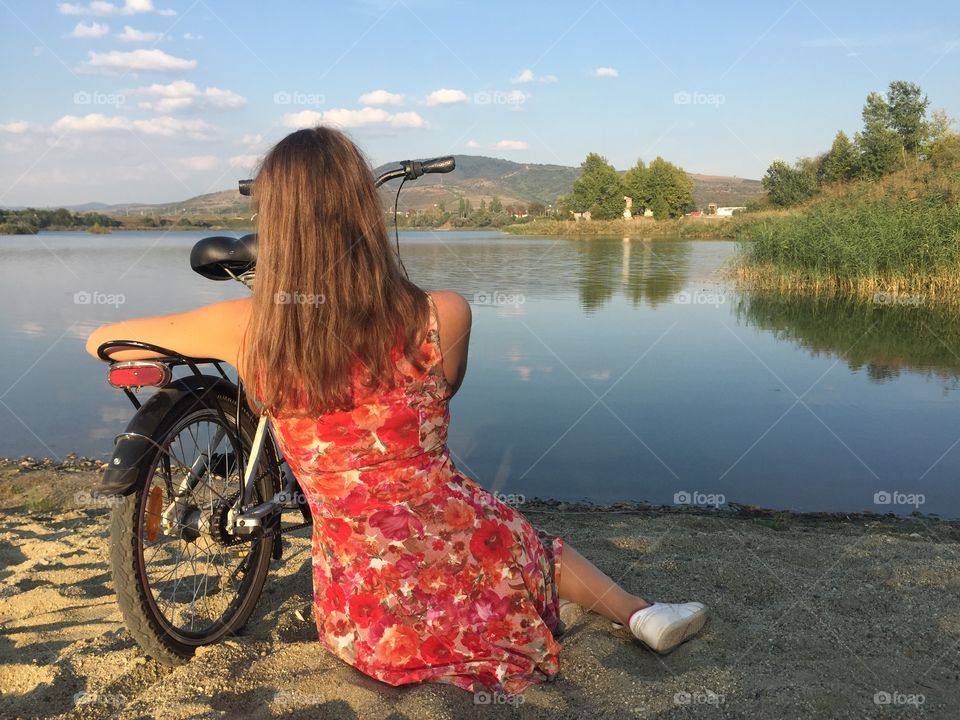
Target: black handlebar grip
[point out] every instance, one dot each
(246, 187)
(439, 165)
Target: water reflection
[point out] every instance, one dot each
(882, 339)
(646, 271)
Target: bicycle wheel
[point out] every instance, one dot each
(181, 580)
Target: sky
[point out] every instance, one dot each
(160, 100)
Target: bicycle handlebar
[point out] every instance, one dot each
(410, 169)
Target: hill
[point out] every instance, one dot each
(476, 178)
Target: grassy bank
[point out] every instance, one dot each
(899, 236)
(682, 228)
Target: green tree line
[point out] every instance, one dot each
(897, 132)
(661, 187)
(31, 220)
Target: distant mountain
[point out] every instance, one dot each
(476, 178)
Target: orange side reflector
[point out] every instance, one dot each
(154, 510)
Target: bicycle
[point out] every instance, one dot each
(200, 486)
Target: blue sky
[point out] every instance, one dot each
(153, 101)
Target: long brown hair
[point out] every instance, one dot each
(328, 292)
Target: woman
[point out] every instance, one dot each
(419, 573)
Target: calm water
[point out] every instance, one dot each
(603, 369)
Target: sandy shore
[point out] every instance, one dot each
(812, 617)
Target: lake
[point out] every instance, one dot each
(602, 369)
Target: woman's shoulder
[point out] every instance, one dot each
(451, 304)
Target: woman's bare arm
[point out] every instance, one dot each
(211, 331)
(455, 318)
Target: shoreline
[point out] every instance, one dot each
(809, 617)
(73, 464)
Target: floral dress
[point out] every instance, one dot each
(419, 574)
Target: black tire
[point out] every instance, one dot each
(133, 568)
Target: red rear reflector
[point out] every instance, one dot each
(138, 374)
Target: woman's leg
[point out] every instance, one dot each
(583, 583)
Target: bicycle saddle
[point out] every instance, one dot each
(221, 258)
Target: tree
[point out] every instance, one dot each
(599, 189)
(537, 209)
(496, 206)
(786, 185)
(907, 112)
(662, 187)
(669, 189)
(840, 163)
(635, 185)
(881, 148)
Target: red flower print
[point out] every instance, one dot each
(335, 597)
(365, 609)
(337, 530)
(491, 542)
(458, 515)
(398, 645)
(436, 652)
(397, 523)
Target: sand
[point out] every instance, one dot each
(811, 617)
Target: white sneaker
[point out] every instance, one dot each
(663, 626)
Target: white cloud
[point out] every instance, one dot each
(381, 97)
(182, 94)
(473, 144)
(166, 126)
(221, 99)
(101, 7)
(200, 162)
(528, 76)
(512, 145)
(445, 96)
(94, 122)
(17, 127)
(364, 117)
(244, 162)
(93, 30)
(606, 72)
(163, 126)
(131, 34)
(252, 140)
(136, 61)
(191, 36)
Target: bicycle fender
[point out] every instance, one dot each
(137, 439)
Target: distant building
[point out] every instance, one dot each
(585, 215)
(712, 209)
(728, 211)
(626, 210)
